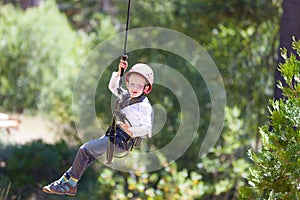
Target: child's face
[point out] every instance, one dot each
(136, 85)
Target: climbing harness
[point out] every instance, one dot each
(117, 137)
(115, 134)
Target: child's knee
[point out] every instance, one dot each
(82, 147)
(83, 151)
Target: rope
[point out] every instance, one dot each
(127, 26)
(111, 146)
(124, 56)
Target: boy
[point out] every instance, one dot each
(138, 123)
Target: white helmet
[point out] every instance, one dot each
(145, 71)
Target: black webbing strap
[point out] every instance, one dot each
(127, 101)
(112, 131)
(111, 142)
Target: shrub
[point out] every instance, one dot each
(168, 183)
(32, 165)
(276, 170)
(40, 56)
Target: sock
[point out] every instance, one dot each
(64, 178)
(73, 181)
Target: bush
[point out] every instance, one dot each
(4, 192)
(276, 170)
(40, 56)
(168, 183)
(225, 167)
(33, 165)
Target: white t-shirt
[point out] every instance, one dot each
(138, 114)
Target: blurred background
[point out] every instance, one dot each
(43, 44)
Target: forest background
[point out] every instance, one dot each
(44, 43)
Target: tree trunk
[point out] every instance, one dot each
(29, 3)
(289, 27)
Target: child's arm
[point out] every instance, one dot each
(144, 126)
(115, 78)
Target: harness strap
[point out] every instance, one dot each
(127, 101)
(112, 131)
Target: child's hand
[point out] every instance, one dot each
(122, 65)
(125, 127)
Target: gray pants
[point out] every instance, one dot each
(87, 154)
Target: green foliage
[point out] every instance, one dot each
(242, 40)
(168, 183)
(4, 192)
(40, 55)
(33, 164)
(240, 36)
(225, 167)
(276, 170)
(82, 14)
(25, 169)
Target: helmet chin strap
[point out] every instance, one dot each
(145, 88)
(143, 91)
(139, 96)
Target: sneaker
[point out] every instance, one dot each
(58, 187)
